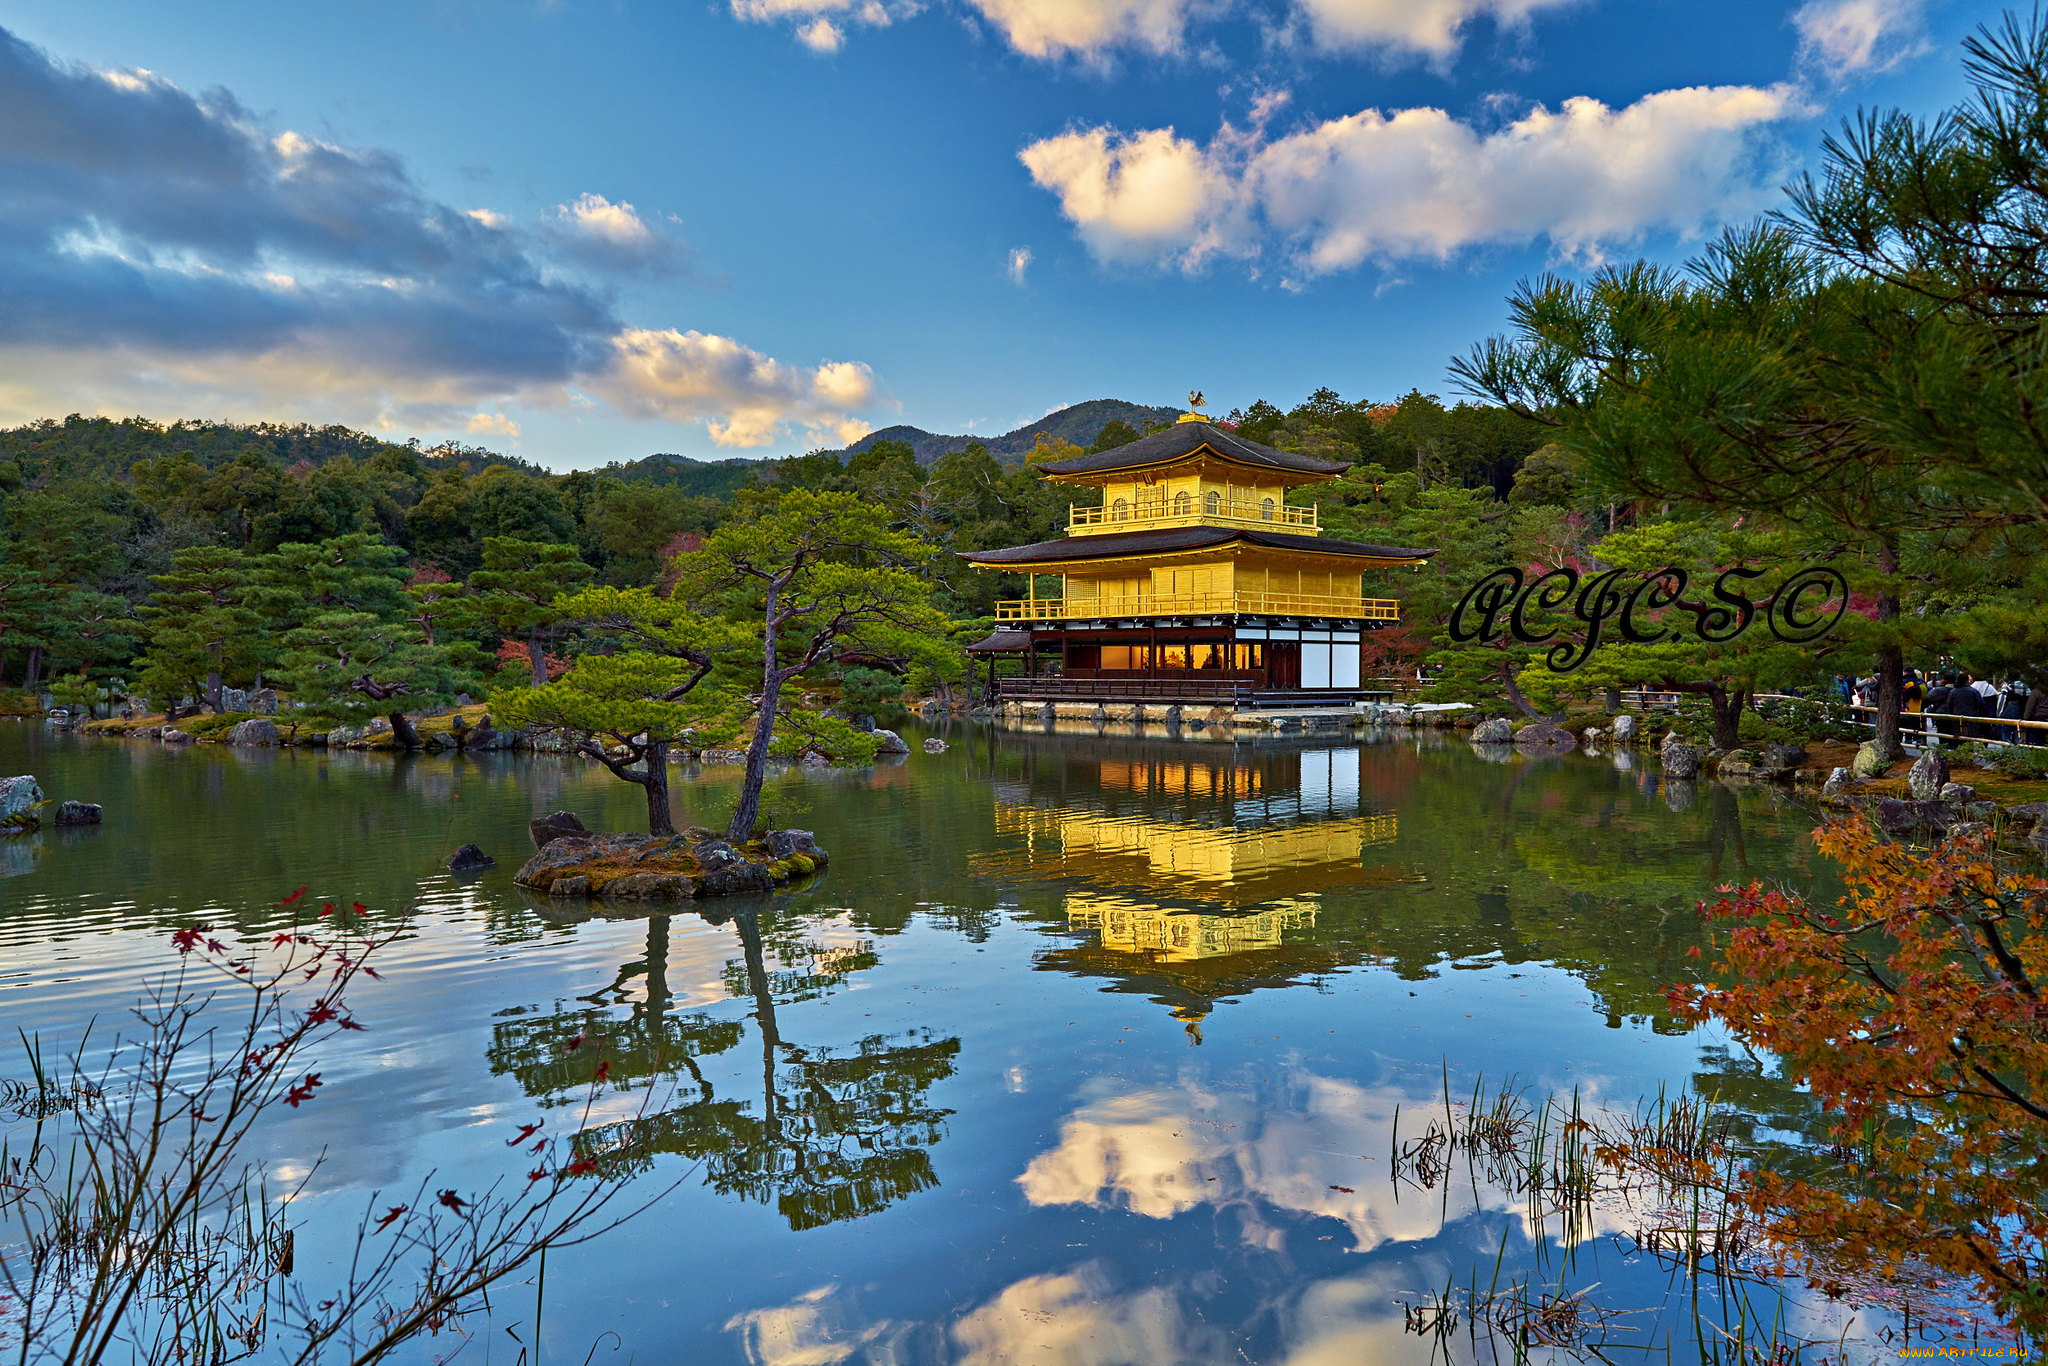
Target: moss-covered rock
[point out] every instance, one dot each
(668, 868)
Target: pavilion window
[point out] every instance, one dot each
(1182, 504)
(1126, 657)
(1212, 503)
(1119, 511)
(1250, 655)
(1266, 509)
(1173, 656)
(1213, 656)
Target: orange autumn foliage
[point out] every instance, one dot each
(1914, 1012)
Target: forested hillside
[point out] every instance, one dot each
(102, 522)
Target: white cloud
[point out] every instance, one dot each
(1418, 183)
(167, 255)
(1406, 28)
(1854, 37)
(743, 397)
(1020, 263)
(1142, 196)
(1394, 30)
(821, 35)
(821, 25)
(492, 424)
(1059, 28)
(595, 232)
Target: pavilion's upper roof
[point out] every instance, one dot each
(1184, 439)
(1184, 538)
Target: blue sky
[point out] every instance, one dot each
(413, 216)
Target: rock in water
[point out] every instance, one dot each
(1545, 735)
(19, 798)
(1494, 732)
(935, 746)
(1837, 783)
(1957, 794)
(783, 843)
(78, 813)
(891, 742)
(1624, 729)
(554, 826)
(1680, 760)
(1869, 761)
(173, 736)
(1927, 776)
(467, 857)
(256, 731)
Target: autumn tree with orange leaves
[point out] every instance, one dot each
(1914, 1012)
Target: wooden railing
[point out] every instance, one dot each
(1920, 724)
(1236, 511)
(1194, 689)
(1200, 604)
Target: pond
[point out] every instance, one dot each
(1085, 1049)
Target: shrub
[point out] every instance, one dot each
(1911, 1010)
(1825, 720)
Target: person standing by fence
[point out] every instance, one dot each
(1963, 701)
(1938, 727)
(2035, 709)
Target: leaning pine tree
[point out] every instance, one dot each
(814, 578)
(792, 587)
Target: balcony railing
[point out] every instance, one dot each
(1169, 510)
(1200, 604)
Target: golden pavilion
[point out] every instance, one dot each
(1194, 580)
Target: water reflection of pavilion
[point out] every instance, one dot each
(1192, 874)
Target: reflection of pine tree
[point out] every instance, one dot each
(838, 1134)
(648, 1043)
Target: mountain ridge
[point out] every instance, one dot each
(1077, 422)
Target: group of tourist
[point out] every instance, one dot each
(1956, 706)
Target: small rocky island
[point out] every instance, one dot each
(574, 862)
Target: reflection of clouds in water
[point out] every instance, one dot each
(1310, 1146)
(1076, 1318)
(1070, 1318)
(814, 1329)
(1349, 1320)
(1080, 1317)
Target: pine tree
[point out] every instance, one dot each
(348, 649)
(202, 626)
(516, 589)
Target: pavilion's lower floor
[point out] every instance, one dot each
(1260, 662)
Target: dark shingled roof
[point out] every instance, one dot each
(1001, 643)
(1180, 538)
(1182, 438)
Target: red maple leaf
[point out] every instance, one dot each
(389, 1216)
(453, 1201)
